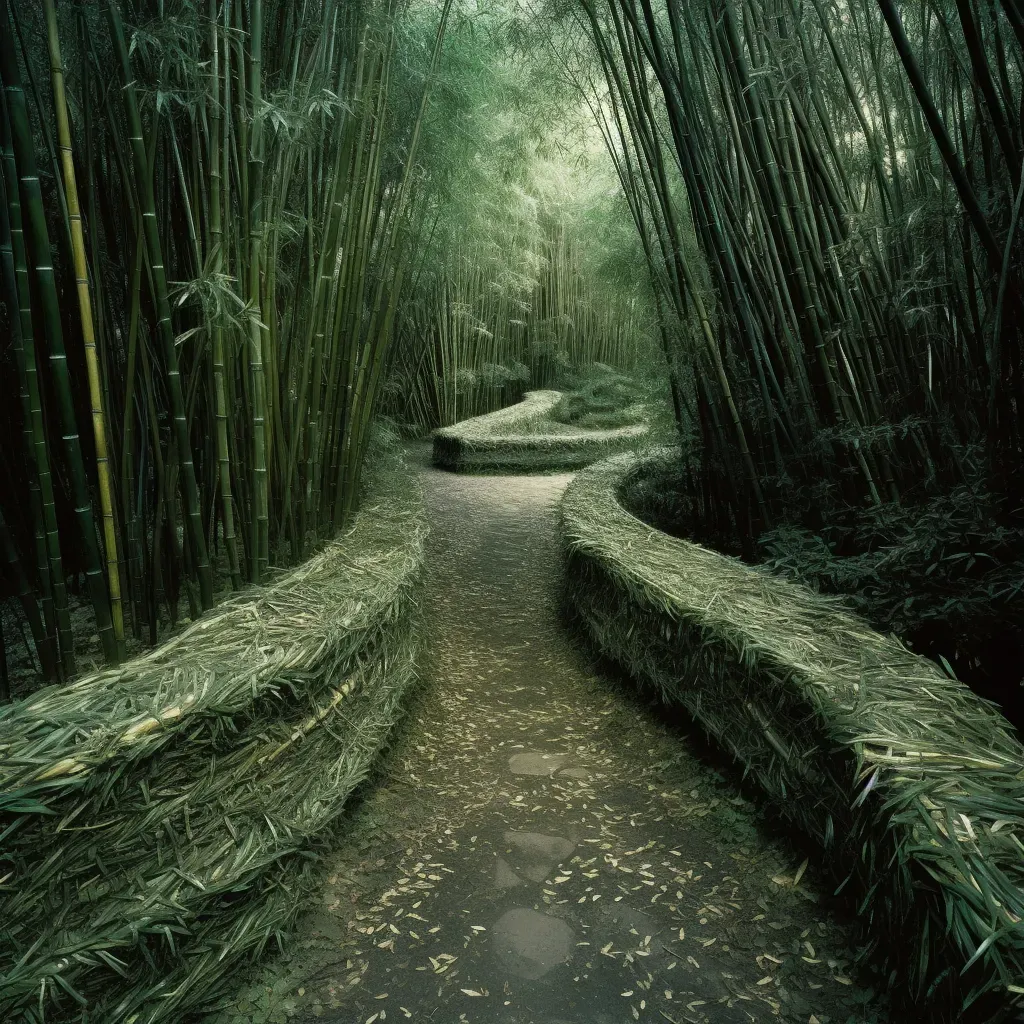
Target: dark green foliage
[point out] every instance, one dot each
(530, 268)
(599, 399)
(947, 576)
(845, 269)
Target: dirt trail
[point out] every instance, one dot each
(542, 848)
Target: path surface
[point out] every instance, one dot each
(542, 848)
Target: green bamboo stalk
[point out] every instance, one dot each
(260, 490)
(42, 259)
(941, 136)
(46, 639)
(88, 330)
(144, 189)
(216, 258)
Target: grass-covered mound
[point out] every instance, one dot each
(545, 431)
(944, 572)
(600, 399)
(160, 820)
(912, 786)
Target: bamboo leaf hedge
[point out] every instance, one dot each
(908, 783)
(527, 437)
(162, 819)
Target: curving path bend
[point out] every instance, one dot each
(541, 848)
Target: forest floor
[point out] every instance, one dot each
(540, 846)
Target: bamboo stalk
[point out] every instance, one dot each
(42, 521)
(216, 258)
(261, 513)
(88, 329)
(144, 186)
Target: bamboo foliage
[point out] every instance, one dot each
(230, 238)
(215, 261)
(820, 200)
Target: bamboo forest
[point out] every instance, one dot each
(511, 511)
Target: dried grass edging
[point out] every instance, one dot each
(911, 784)
(514, 439)
(160, 821)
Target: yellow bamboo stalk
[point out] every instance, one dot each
(88, 330)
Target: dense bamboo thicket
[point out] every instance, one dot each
(829, 195)
(481, 333)
(528, 280)
(851, 175)
(220, 258)
(233, 231)
(210, 213)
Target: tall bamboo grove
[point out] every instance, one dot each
(485, 326)
(829, 195)
(208, 212)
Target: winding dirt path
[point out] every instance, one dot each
(541, 847)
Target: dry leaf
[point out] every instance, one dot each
(800, 872)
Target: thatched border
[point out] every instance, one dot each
(513, 439)
(159, 821)
(912, 785)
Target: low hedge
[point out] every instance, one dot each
(912, 786)
(160, 821)
(525, 437)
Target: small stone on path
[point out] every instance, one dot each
(535, 855)
(504, 876)
(529, 943)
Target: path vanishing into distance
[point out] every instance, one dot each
(540, 845)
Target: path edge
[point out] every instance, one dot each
(909, 783)
(508, 440)
(162, 822)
